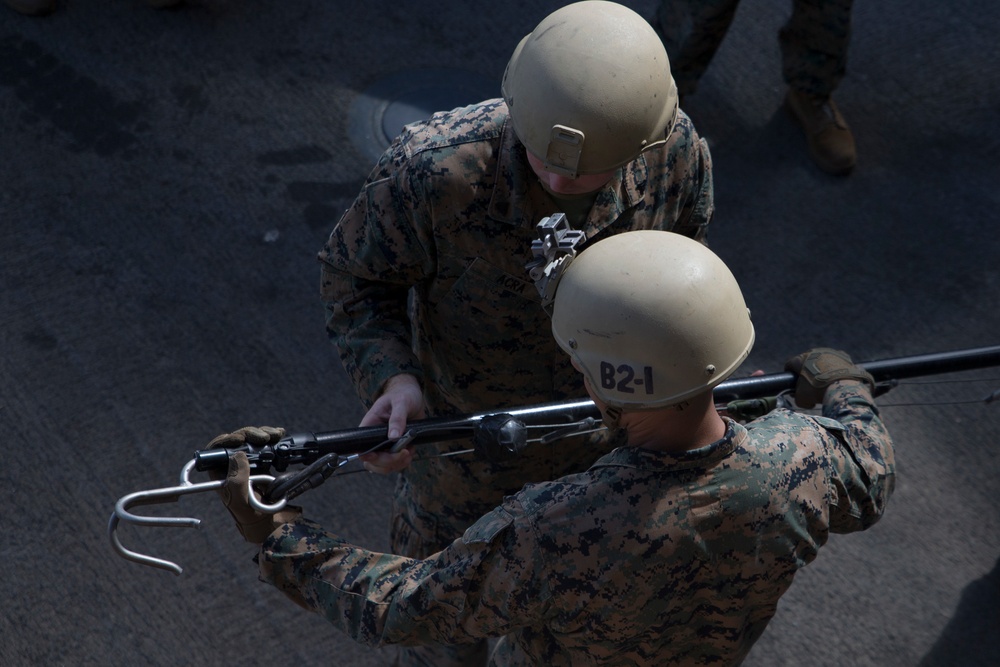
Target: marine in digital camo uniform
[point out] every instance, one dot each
(448, 216)
(674, 548)
(813, 43)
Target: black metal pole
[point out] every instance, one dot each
(307, 447)
(900, 368)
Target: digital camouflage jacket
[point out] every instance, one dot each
(646, 558)
(425, 274)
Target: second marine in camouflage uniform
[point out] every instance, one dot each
(448, 217)
(813, 42)
(646, 558)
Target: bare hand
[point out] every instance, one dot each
(401, 400)
(387, 462)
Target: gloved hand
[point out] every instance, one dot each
(820, 367)
(258, 436)
(253, 525)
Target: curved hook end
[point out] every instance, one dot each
(136, 557)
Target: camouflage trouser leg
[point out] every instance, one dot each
(814, 45)
(692, 31)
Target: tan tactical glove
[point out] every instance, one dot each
(253, 525)
(258, 436)
(820, 367)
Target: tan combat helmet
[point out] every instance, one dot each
(652, 318)
(590, 89)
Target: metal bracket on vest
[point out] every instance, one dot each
(555, 248)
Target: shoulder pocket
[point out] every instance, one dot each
(839, 431)
(831, 425)
(488, 527)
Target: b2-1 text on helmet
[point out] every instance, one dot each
(652, 318)
(590, 88)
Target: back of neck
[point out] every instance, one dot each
(691, 425)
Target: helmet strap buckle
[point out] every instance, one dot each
(563, 153)
(612, 417)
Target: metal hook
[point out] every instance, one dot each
(171, 494)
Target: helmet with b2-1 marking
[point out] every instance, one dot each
(651, 318)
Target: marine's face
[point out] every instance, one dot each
(567, 187)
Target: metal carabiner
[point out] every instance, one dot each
(172, 494)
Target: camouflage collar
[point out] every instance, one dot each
(703, 457)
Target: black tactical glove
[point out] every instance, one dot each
(820, 367)
(253, 524)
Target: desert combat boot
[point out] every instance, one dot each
(831, 143)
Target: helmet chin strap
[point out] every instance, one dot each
(612, 417)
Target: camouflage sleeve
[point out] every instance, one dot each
(700, 207)
(690, 172)
(373, 256)
(485, 583)
(863, 456)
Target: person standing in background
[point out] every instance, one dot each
(814, 60)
